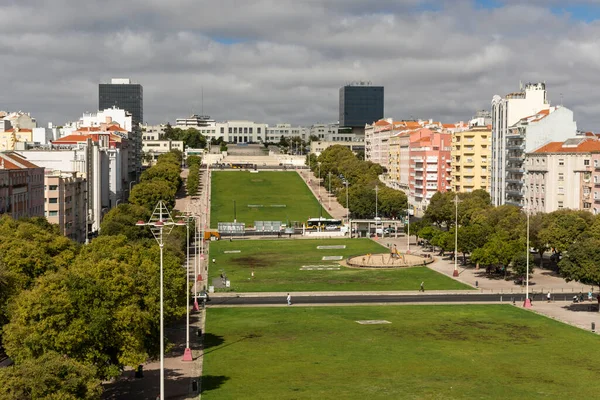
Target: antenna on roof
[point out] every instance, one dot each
(202, 98)
(561, 99)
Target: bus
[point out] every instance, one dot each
(242, 165)
(327, 224)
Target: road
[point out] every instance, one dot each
(378, 298)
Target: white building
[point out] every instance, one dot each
(559, 174)
(194, 121)
(153, 149)
(288, 131)
(554, 124)
(507, 111)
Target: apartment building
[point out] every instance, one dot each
(429, 166)
(506, 112)
(562, 175)
(21, 186)
(471, 157)
(66, 203)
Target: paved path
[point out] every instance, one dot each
(329, 201)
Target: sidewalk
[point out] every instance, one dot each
(329, 201)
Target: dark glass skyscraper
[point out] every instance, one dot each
(360, 104)
(125, 95)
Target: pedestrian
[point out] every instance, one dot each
(289, 299)
(422, 289)
(549, 297)
(590, 295)
(252, 274)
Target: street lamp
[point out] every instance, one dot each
(187, 354)
(527, 303)
(130, 182)
(117, 203)
(158, 221)
(329, 197)
(319, 164)
(456, 201)
(408, 228)
(376, 201)
(347, 207)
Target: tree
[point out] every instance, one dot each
(103, 310)
(519, 264)
(52, 376)
(121, 220)
(563, 228)
(393, 203)
(582, 262)
(148, 194)
(166, 171)
(441, 210)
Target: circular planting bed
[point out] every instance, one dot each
(385, 260)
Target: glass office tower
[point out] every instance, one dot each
(360, 104)
(125, 95)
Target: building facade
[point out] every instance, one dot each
(123, 94)
(471, 157)
(429, 167)
(22, 186)
(563, 175)
(66, 201)
(360, 104)
(529, 133)
(507, 111)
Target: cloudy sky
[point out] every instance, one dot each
(285, 60)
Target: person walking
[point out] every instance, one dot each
(422, 289)
(549, 297)
(289, 300)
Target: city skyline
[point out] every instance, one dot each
(277, 62)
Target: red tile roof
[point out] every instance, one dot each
(585, 146)
(20, 130)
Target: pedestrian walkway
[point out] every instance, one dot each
(328, 201)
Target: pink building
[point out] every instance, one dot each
(22, 191)
(429, 166)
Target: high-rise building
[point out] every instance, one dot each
(125, 95)
(360, 104)
(507, 111)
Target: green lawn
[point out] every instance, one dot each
(276, 265)
(268, 190)
(427, 352)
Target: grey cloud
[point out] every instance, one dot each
(289, 58)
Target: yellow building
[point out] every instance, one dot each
(471, 159)
(9, 137)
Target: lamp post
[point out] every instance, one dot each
(158, 221)
(234, 213)
(117, 203)
(187, 354)
(376, 201)
(329, 196)
(130, 182)
(456, 201)
(319, 164)
(408, 228)
(527, 303)
(347, 207)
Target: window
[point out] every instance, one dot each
(53, 214)
(235, 130)
(561, 161)
(229, 129)
(586, 162)
(250, 130)
(53, 200)
(560, 204)
(53, 187)
(257, 130)
(561, 190)
(245, 130)
(561, 177)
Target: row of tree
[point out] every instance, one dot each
(191, 137)
(497, 236)
(346, 174)
(193, 178)
(74, 315)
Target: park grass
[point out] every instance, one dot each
(276, 265)
(427, 352)
(266, 188)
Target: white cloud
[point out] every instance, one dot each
(284, 60)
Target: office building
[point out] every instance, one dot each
(121, 93)
(360, 104)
